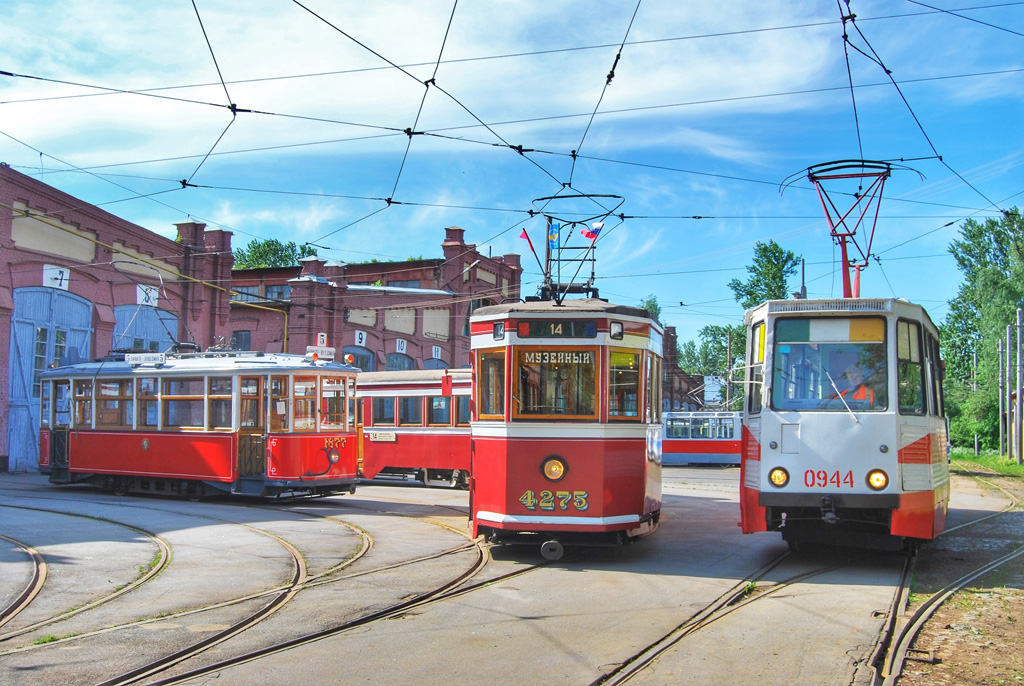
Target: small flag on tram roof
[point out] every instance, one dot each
(553, 236)
(591, 233)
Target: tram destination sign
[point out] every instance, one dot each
(557, 328)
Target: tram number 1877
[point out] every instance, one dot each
(821, 479)
(548, 500)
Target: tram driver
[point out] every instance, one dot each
(857, 390)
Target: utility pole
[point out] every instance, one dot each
(1010, 450)
(974, 388)
(1002, 390)
(728, 372)
(1018, 445)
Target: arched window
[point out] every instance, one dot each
(434, 363)
(399, 361)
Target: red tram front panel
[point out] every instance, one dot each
(609, 484)
(311, 457)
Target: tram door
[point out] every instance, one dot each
(252, 435)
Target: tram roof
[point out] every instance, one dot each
(200, 363)
(576, 305)
(838, 306)
(413, 375)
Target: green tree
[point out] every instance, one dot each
(990, 255)
(650, 303)
(271, 253)
(769, 274)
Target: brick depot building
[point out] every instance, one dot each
(78, 282)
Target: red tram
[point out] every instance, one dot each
(566, 427)
(416, 424)
(202, 423)
(844, 440)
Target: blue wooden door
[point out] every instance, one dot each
(141, 327)
(48, 325)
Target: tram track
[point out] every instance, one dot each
(301, 580)
(889, 663)
(35, 585)
(301, 576)
(154, 570)
(453, 588)
(739, 597)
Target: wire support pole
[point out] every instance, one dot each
(1018, 444)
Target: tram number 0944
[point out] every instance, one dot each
(548, 500)
(822, 478)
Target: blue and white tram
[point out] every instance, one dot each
(702, 438)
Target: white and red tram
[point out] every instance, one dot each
(844, 440)
(202, 423)
(416, 425)
(566, 427)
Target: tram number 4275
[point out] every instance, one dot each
(548, 500)
(821, 479)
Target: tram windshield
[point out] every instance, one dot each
(832, 364)
(559, 383)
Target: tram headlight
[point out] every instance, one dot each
(553, 468)
(778, 477)
(877, 479)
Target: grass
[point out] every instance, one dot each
(995, 462)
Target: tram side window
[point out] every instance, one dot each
(146, 395)
(183, 403)
(83, 404)
(910, 368)
(113, 403)
(410, 410)
(624, 385)
(557, 383)
(250, 390)
(653, 389)
(279, 403)
(439, 411)
(462, 410)
(491, 401)
(384, 411)
(726, 428)
(44, 404)
(333, 399)
(935, 374)
(220, 402)
(677, 427)
(756, 357)
(62, 403)
(304, 397)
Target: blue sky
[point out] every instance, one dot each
(711, 108)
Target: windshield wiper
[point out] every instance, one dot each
(840, 396)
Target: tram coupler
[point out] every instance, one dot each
(828, 510)
(552, 550)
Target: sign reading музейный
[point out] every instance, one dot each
(556, 357)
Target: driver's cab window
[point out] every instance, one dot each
(830, 364)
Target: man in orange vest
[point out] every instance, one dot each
(857, 390)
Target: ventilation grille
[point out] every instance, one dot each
(837, 305)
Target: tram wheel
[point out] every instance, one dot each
(551, 550)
